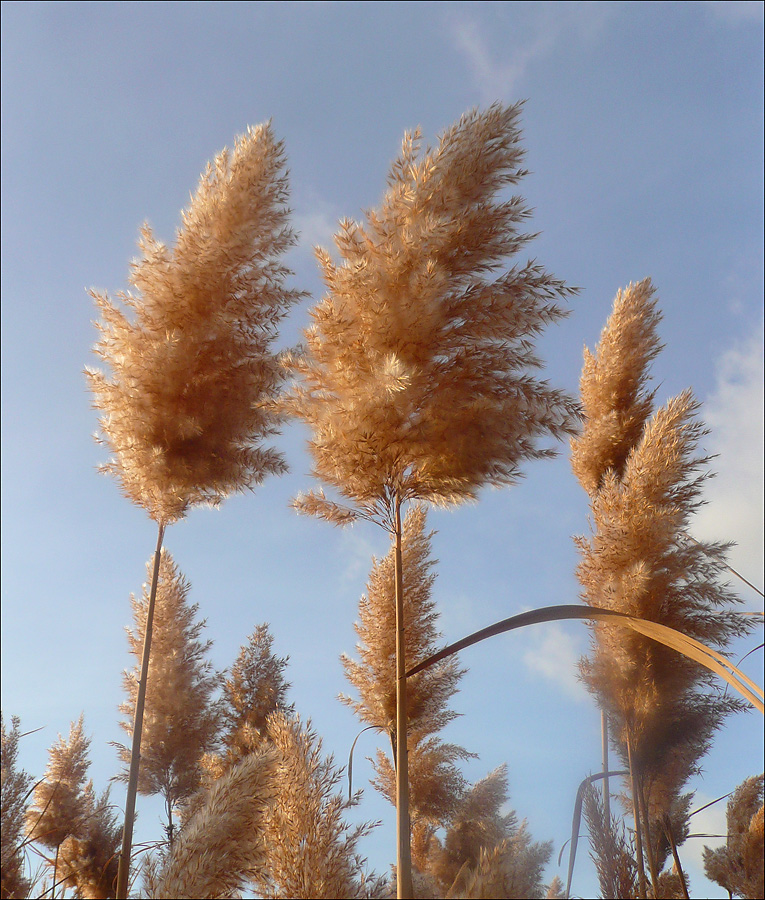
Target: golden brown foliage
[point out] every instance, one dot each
(485, 853)
(435, 783)
(222, 846)
(311, 849)
(88, 860)
(613, 387)
(60, 804)
(255, 688)
(739, 866)
(15, 787)
(180, 720)
(645, 478)
(183, 410)
(416, 376)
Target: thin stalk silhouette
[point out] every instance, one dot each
(135, 754)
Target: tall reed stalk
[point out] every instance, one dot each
(404, 887)
(135, 753)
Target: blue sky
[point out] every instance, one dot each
(643, 130)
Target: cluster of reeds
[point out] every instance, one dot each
(419, 381)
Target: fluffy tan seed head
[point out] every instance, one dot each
(615, 399)
(416, 377)
(183, 410)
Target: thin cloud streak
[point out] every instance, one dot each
(497, 78)
(555, 654)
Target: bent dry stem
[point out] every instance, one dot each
(135, 753)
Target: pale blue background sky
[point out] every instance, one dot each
(644, 136)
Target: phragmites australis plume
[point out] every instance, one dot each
(59, 806)
(417, 374)
(181, 720)
(255, 688)
(189, 351)
(87, 861)
(222, 846)
(485, 852)
(645, 483)
(738, 865)
(15, 784)
(615, 397)
(311, 848)
(193, 376)
(435, 782)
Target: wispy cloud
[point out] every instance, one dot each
(734, 413)
(554, 654)
(534, 40)
(357, 553)
(710, 821)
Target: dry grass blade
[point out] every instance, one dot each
(688, 646)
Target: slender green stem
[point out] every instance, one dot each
(135, 753)
(404, 888)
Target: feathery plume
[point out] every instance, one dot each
(180, 719)
(435, 782)
(615, 398)
(189, 401)
(486, 853)
(416, 377)
(59, 806)
(738, 866)
(311, 849)
(14, 792)
(645, 479)
(610, 850)
(222, 846)
(189, 352)
(88, 861)
(255, 688)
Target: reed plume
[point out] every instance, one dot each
(645, 478)
(485, 852)
(193, 376)
(417, 374)
(222, 847)
(614, 386)
(254, 690)
(181, 718)
(311, 848)
(738, 866)
(59, 807)
(435, 782)
(88, 861)
(15, 786)
(190, 350)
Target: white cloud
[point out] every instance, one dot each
(555, 654)
(357, 554)
(710, 821)
(536, 39)
(734, 413)
(735, 12)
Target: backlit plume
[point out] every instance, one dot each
(191, 367)
(416, 374)
(613, 386)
